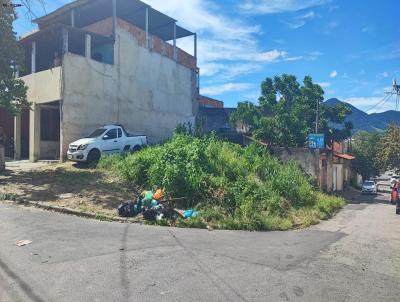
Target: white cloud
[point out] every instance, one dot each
(278, 6)
(224, 43)
(382, 75)
(371, 104)
(227, 87)
(324, 84)
(333, 74)
(300, 21)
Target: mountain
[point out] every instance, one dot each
(368, 122)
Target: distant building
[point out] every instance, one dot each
(207, 102)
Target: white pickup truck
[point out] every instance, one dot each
(110, 139)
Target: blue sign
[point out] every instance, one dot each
(316, 141)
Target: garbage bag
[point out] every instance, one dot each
(128, 209)
(158, 195)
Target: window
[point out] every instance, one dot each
(119, 132)
(111, 134)
(49, 124)
(96, 133)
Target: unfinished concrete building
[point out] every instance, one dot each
(99, 62)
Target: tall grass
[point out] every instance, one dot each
(233, 187)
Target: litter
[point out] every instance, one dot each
(23, 242)
(158, 195)
(153, 206)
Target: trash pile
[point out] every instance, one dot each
(153, 206)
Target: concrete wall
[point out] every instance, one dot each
(147, 92)
(49, 149)
(44, 86)
(308, 159)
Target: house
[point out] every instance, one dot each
(98, 62)
(330, 167)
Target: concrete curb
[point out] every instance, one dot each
(69, 211)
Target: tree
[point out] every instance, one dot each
(12, 90)
(246, 114)
(365, 147)
(287, 112)
(389, 152)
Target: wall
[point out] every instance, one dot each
(308, 159)
(147, 92)
(44, 86)
(49, 149)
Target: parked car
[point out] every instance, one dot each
(394, 179)
(398, 206)
(110, 139)
(395, 193)
(369, 186)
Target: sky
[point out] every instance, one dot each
(350, 47)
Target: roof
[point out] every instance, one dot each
(344, 156)
(133, 11)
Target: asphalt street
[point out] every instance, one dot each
(353, 257)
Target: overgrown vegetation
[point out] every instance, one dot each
(286, 113)
(232, 187)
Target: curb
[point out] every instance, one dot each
(69, 211)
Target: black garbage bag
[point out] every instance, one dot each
(127, 209)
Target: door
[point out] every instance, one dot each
(111, 142)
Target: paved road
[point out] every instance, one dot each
(353, 257)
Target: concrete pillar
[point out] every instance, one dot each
(17, 137)
(65, 41)
(114, 16)
(34, 133)
(2, 159)
(88, 46)
(72, 17)
(175, 52)
(33, 57)
(147, 27)
(195, 45)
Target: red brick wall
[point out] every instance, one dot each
(209, 102)
(104, 27)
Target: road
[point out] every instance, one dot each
(353, 257)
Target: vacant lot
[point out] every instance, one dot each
(65, 185)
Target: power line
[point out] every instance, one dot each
(379, 103)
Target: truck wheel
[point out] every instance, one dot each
(93, 156)
(136, 148)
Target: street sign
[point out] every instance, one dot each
(316, 141)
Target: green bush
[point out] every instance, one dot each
(232, 187)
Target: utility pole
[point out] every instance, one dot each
(317, 118)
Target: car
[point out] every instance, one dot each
(395, 193)
(394, 179)
(369, 186)
(110, 139)
(398, 206)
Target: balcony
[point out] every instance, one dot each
(44, 86)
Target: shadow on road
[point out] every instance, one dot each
(123, 263)
(22, 285)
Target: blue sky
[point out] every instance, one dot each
(350, 47)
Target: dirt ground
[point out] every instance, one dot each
(64, 185)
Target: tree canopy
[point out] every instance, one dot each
(389, 152)
(12, 90)
(286, 113)
(365, 147)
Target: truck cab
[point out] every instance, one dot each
(110, 139)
